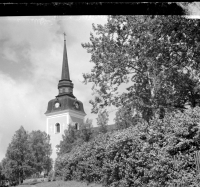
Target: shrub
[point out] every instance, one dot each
(34, 181)
(159, 153)
(53, 177)
(50, 175)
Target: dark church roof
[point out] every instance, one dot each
(65, 103)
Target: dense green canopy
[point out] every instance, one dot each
(159, 153)
(27, 154)
(156, 58)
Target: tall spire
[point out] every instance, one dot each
(65, 66)
(65, 85)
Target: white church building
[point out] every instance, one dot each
(64, 109)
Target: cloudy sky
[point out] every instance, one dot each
(31, 52)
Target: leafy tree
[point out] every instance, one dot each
(9, 170)
(0, 170)
(26, 154)
(86, 132)
(88, 123)
(73, 137)
(125, 117)
(159, 153)
(102, 120)
(157, 57)
(41, 150)
(69, 139)
(18, 161)
(2, 176)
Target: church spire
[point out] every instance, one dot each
(65, 66)
(65, 85)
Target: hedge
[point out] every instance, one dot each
(160, 153)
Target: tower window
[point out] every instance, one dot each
(57, 128)
(76, 126)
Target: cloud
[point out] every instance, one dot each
(31, 52)
(19, 107)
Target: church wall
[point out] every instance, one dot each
(63, 120)
(75, 119)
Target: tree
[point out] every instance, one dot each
(73, 137)
(26, 154)
(159, 154)
(125, 117)
(41, 151)
(86, 133)
(9, 171)
(102, 120)
(69, 139)
(2, 176)
(18, 161)
(157, 57)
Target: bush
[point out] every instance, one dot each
(34, 181)
(50, 175)
(160, 153)
(53, 177)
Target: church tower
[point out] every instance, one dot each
(65, 109)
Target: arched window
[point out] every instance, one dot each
(76, 126)
(57, 128)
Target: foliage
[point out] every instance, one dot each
(18, 157)
(53, 177)
(26, 154)
(41, 150)
(50, 175)
(86, 133)
(102, 120)
(155, 58)
(158, 153)
(72, 137)
(125, 117)
(2, 176)
(69, 139)
(34, 181)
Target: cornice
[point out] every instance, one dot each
(68, 111)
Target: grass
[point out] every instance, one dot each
(59, 183)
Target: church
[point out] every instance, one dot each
(64, 109)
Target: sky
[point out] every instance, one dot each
(31, 52)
